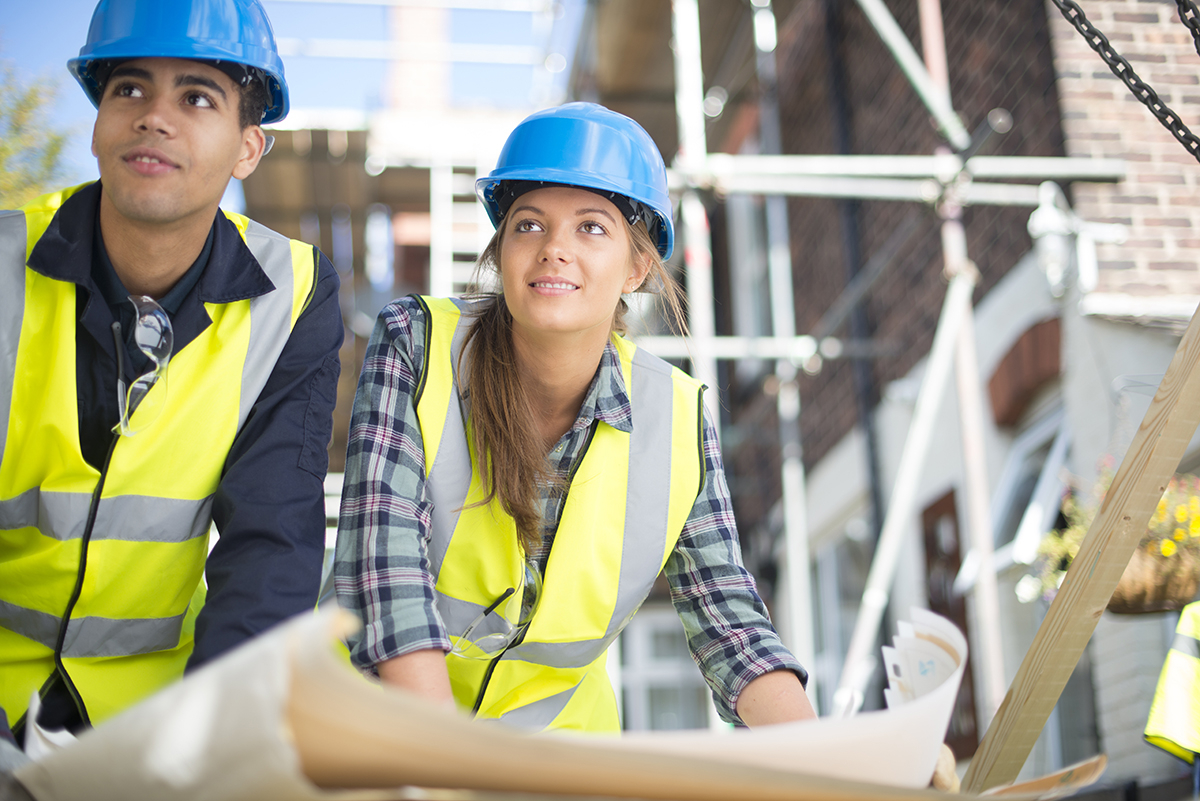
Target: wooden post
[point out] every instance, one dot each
(1114, 535)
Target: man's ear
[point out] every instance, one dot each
(254, 146)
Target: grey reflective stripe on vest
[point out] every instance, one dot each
(450, 478)
(270, 314)
(458, 614)
(93, 636)
(539, 714)
(62, 516)
(646, 509)
(1188, 646)
(12, 309)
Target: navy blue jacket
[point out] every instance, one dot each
(269, 507)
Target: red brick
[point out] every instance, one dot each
(1143, 245)
(1126, 17)
(1161, 178)
(1158, 78)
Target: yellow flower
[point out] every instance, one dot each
(1179, 534)
(1194, 505)
(1181, 513)
(1194, 527)
(1167, 547)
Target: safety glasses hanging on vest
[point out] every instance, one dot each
(499, 625)
(153, 336)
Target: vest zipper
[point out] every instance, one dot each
(491, 668)
(93, 509)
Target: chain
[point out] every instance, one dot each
(1121, 68)
(1190, 16)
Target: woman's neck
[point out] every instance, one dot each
(557, 375)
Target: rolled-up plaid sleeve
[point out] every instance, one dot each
(728, 630)
(381, 567)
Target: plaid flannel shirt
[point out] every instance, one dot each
(382, 570)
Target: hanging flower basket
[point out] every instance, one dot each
(1163, 573)
(1156, 583)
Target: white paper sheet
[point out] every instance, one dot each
(284, 716)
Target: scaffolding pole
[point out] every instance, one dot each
(971, 412)
(697, 240)
(798, 573)
(936, 101)
(860, 661)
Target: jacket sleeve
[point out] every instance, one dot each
(381, 568)
(269, 508)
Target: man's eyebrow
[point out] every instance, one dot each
(181, 80)
(131, 72)
(200, 80)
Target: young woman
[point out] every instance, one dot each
(518, 473)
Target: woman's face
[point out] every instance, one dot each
(564, 261)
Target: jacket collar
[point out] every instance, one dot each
(607, 398)
(64, 252)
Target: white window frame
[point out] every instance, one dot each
(640, 670)
(1043, 506)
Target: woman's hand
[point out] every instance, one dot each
(945, 778)
(421, 672)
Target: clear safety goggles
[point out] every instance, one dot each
(153, 336)
(499, 625)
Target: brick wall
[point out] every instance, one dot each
(999, 56)
(1158, 203)
(1101, 118)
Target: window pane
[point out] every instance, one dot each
(678, 708)
(668, 644)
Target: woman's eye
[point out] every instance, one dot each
(526, 226)
(593, 228)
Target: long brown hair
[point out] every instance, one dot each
(504, 438)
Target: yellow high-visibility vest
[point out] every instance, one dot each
(115, 614)
(626, 506)
(1174, 722)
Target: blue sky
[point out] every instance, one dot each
(39, 44)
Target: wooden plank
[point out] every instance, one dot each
(1121, 521)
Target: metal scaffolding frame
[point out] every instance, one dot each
(944, 180)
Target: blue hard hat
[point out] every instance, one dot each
(227, 32)
(592, 147)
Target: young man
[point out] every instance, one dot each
(163, 365)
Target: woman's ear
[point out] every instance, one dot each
(638, 272)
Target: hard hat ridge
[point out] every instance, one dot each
(234, 35)
(591, 147)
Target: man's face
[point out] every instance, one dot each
(167, 139)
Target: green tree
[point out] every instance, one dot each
(29, 148)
